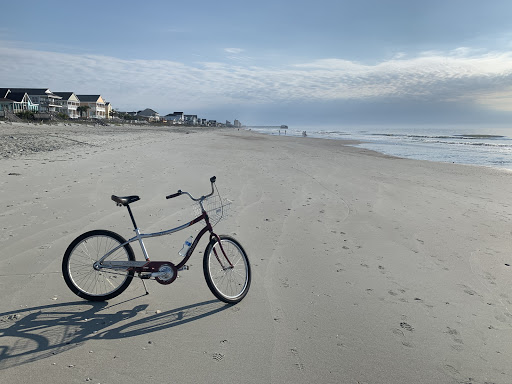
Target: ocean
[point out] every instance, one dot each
(488, 146)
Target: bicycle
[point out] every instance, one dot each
(100, 264)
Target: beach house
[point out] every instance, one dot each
(95, 106)
(177, 118)
(108, 110)
(46, 99)
(190, 119)
(16, 101)
(69, 104)
(149, 115)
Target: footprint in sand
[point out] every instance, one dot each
(406, 326)
(400, 332)
(218, 356)
(468, 290)
(456, 338)
(10, 318)
(452, 332)
(300, 366)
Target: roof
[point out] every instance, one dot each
(89, 98)
(64, 95)
(16, 96)
(32, 91)
(147, 112)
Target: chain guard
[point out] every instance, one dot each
(171, 273)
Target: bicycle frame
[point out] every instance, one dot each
(148, 265)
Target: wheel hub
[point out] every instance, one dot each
(168, 273)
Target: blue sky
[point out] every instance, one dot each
(271, 62)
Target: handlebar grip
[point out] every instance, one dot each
(174, 195)
(213, 179)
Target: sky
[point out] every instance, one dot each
(271, 62)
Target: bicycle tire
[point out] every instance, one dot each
(229, 285)
(79, 274)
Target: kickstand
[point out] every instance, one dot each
(144, 285)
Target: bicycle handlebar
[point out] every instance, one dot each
(174, 195)
(213, 179)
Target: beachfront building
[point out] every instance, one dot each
(46, 99)
(16, 102)
(96, 106)
(237, 124)
(176, 118)
(190, 119)
(108, 110)
(149, 115)
(69, 104)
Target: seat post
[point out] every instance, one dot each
(131, 216)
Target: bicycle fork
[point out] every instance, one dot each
(223, 252)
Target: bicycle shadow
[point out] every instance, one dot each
(35, 333)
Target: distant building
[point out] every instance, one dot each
(177, 118)
(47, 100)
(149, 114)
(16, 101)
(69, 104)
(108, 110)
(190, 119)
(237, 124)
(96, 105)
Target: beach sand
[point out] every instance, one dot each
(366, 268)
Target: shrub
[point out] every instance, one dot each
(26, 115)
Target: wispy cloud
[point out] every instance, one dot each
(233, 50)
(460, 75)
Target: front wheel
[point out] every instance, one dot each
(80, 275)
(228, 274)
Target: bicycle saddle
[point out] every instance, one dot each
(125, 200)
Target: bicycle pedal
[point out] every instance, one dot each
(184, 268)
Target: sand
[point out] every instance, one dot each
(366, 268)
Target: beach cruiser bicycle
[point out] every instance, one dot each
(99, 265)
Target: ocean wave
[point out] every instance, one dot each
(477, 144)
(466, 137)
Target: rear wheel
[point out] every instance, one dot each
(229, 283)
(78, 265)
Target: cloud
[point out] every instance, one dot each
(461, 75)
(233, 50)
